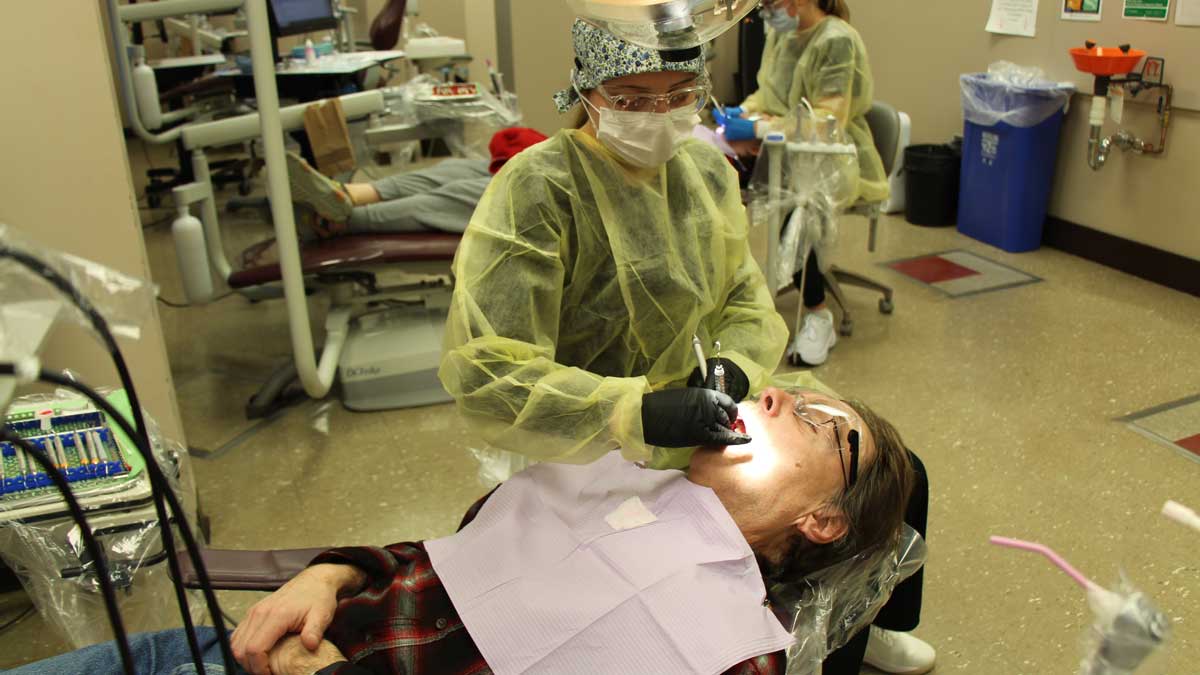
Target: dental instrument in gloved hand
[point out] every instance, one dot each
(722, 114)
(733, 126)
(685, 418)
(736, 386)
(719, 371)
(700, 360)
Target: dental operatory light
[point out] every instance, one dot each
(665, 25)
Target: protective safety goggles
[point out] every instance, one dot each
(692, 98)
(840, 428)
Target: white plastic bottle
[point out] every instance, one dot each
(310, 52)
(145, 90)
(192, 255)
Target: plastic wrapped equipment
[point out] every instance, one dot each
(829, 607)
(124, 301)
(818, 173)
(38, 538)
(44, 546)
(466, 122)
(1127, 629)
(1012, 94)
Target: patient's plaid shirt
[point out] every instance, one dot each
(403, 622)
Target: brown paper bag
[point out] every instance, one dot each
(329, 136)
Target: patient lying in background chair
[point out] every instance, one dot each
(437, 198)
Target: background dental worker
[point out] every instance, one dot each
(590, 264)
(812, 52)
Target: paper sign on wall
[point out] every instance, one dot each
(1187, 13)
(1148, 10)
(1013, 17)
(1082, 10)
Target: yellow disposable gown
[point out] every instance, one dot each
(826, 64)
(579, 284)
(776, 74)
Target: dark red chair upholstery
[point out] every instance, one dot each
(247, 570)
(352, 252)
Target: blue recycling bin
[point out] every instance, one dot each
(1010, 147)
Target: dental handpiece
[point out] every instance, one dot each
(719, 370)
(719, 375)
(700, 360)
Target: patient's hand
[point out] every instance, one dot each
(304, 605)
(292, 657)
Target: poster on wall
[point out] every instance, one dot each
(1187, 13)
(1013, 17)
(1147, 10)
(1082, 10)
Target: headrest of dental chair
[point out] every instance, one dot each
(829, 607)
(354, 252)
(385, 27)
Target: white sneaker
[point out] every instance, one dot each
(817, 336)
(901, 653)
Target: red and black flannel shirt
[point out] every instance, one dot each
(403, 622)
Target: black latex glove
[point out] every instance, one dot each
(737, 385)
(684, 418)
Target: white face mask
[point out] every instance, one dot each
(646, 140)
(780, 21)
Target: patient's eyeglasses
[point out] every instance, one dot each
(689, 98)
(837, 426)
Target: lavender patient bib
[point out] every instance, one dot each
(607, 568)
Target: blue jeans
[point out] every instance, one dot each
(163, 653)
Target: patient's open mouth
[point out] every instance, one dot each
(739, 426)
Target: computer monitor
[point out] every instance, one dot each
(295, 17)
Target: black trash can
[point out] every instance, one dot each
(931, 184)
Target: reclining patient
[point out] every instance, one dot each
(439, 198)
(602, 568)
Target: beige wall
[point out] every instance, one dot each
(542, 57)
(480, 22)
(447, 16)
(917, 57)
(65, 182)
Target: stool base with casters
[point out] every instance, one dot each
(838, 276)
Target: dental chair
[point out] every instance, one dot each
(388, 293)
(824, 610)
(393, 345)
(368, 323)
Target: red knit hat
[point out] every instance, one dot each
(507, 143)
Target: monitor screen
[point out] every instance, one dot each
(292, 17)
